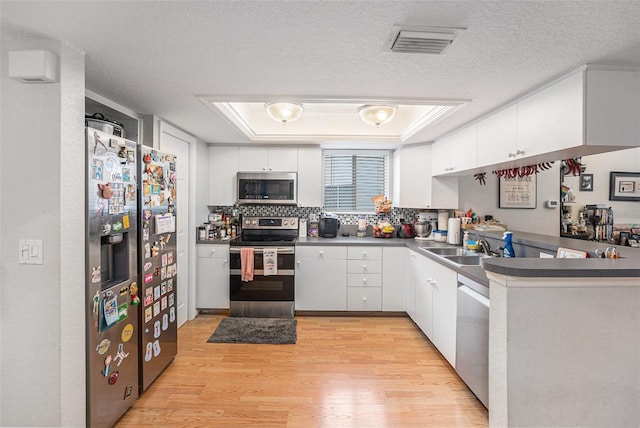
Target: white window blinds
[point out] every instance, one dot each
(351, 179)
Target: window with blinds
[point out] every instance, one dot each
(352, 178)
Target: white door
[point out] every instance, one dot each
(180, 148)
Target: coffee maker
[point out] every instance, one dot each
(426, 223)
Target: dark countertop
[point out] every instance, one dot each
(473, 272)
(627, 266)
(551, 243)
(353, 240)
(565, 268)
(212, 241)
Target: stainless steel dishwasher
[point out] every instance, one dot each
(472, 337)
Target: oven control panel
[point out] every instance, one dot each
(280, 223)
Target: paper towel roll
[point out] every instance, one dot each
(453, 234)
(443, 217)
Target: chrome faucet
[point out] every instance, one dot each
(484, 246)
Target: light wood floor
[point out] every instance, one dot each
(342, 372)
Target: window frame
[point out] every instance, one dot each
(359, 152)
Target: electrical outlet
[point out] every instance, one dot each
(127, 391)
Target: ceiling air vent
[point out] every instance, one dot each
(427, 40)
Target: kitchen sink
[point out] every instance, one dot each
(432, 244)
(452, 252)
(466, 260)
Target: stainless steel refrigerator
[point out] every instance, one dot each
(111, 290)
(158, 261)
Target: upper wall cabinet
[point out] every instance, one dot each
(413, 183)
(223, 166)
(268, 159)
(457, 152)
(592, 110)
(310, 176)
(498, 137)
(551, 119)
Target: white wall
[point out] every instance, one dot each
(484, 200)
(600, 166)
(42, 360)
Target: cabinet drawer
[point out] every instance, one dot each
(364, 253)
(364, 280)
(327, 253)
(212, 250)
(364, 266)
(364, 299)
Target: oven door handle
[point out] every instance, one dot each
(236, 250)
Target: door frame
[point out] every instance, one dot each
(165, 127)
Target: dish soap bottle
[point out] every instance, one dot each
(465, 241)
(508, 246)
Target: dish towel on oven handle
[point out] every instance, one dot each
(246, 263)
(270, 261)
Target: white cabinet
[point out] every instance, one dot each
(310, 176)
(498, 137)
(456, 153)
(223, 166)
(321, 278)
(436, 304)
(424, 296)
(445, 288)
(395, 263)
(364, 298)
(411, 284)
(364, 281)
(413, 183)
(212, 276)
(268, 159)
(589, 111)
(551, 119)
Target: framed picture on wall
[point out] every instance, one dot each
(517, 192)
(586, 183)
(624, 186)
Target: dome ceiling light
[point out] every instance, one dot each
(284, 112)
(377, 114)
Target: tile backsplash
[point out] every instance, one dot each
(396, 216)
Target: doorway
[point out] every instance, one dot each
(178, 146)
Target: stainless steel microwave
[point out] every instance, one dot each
(268, 188)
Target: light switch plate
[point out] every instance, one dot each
(30, 251)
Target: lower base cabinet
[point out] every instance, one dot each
(321, 278)
(212, 276)
(435, 313)
(424, 296)
(366, 298)
(395, 263)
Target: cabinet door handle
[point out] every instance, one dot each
(519, 152)
(364, 299)
(364, 253)
(298, 262)
(212, 251)
(511, 155)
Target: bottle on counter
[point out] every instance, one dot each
(202, 233)
(362, 227)
(508, 245)
(465, 241)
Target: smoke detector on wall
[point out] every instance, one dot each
(418, 39)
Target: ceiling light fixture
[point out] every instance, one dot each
(377, 114)
(284, 112)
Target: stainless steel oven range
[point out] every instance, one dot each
(269, 294)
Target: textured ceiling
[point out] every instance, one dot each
(156, 57)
